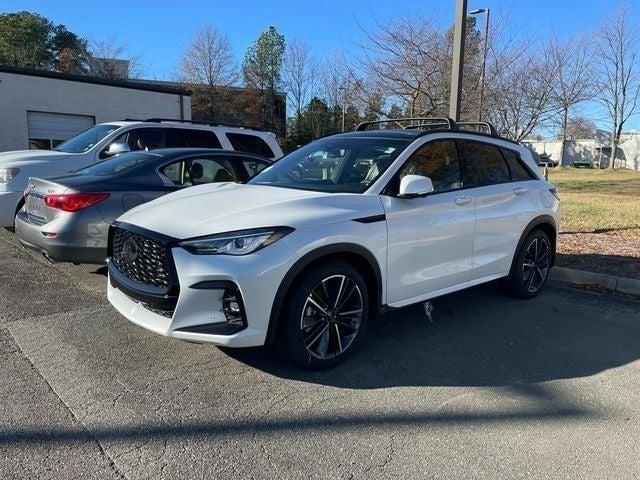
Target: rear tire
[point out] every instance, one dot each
(326, 316)
(531, 265)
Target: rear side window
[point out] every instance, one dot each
(438, 161)
(483, 165)
(518, 171)
(183, 137)
(197, 171)
(250, 144)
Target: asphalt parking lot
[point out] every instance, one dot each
(495, 388)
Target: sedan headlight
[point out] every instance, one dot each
(241, 242)
(8, 174)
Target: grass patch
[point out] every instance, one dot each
(598, 201)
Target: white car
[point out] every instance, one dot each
(314, 247)
(108, 139)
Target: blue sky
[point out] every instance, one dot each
(158, 31)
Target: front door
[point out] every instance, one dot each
(430, 239)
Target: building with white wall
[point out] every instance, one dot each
(595, 151)
(40, 109)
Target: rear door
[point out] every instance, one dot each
(430, 239)
(504, 204)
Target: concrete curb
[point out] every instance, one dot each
(628, 286)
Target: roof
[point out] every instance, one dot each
(383, 133)
(177, 152)
(411, 134)
(137, 85)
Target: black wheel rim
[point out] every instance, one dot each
(331, 316)
(535, 266)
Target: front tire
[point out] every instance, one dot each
(531, 266)
(327, 314)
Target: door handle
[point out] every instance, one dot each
(466, 200)
(520, 190)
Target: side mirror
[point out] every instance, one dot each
(412, 186)
(117, 149)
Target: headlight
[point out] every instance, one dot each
(241, 242)
(7, 174)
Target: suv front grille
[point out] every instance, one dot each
(140, 258)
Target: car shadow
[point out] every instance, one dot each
(618, 265)
(480, 337)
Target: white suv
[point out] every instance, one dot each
(108, 139)
(312, 248)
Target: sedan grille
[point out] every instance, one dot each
(140, 258)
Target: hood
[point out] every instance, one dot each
(225, 207)
(21, 158)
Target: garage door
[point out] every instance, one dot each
(46, 129)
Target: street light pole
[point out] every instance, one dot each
(484, 56)
(343, 90)
(458, 59)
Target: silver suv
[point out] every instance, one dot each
(109, 139)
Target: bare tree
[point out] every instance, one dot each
(520, 92)
(300, 76)
(617, 45)
(208, 60)
(572, 62)
(578, 127)
(405, 59)
(113, 59)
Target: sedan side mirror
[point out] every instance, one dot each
(117, 149)
(413, 186)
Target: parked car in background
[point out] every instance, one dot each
(67, 218)
(582, 163)
(546, 160)
(312, 248)
(106, 140)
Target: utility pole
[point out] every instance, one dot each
(486, 11)
(458, 59)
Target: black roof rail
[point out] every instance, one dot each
(196, 122)
(416, 123)
(490, 129)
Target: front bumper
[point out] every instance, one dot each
(74, 242)
(8, 205)
(203, 280)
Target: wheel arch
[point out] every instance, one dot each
(548, 225)
(354, 254)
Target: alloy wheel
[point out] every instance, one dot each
(536, 264)
(331, 316)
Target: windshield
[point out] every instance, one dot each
(117, 164)
(86, 140)
(334, 164)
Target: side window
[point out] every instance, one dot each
(198, 171)
(183, 137)
(250, 144)
(438, 161)
(253, 166)
(142, 138)
(483, 165)
(519, 172)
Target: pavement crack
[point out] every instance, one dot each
(87, 433)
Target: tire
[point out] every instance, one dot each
(531, 266)
(316, 334)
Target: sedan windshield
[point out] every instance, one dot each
(118, 164)
(334, 164)
(86, 140)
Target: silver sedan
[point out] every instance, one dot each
(67, 218)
